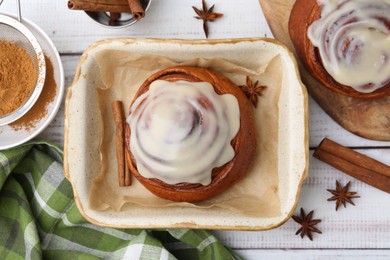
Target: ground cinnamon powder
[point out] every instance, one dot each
(18, 76)
(40, 108)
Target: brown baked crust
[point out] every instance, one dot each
(244, 144)
(303, 14)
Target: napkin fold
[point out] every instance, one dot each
(39, 218)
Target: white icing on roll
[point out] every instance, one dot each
(181, 130)
(353, 39)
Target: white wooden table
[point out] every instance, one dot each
(361, 232)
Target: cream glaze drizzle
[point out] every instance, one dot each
(354, 42)
(181, 130)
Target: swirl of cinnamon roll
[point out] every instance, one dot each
(343, 36)
(345, 43)
(190, 134)
(175, 124)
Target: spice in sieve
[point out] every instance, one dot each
(18, 77)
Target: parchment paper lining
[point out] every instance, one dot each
(122, 72)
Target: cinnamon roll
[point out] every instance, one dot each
(345, 44)
(190, 134)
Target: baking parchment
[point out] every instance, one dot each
(122, 72)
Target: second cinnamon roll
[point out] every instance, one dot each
(345, 44)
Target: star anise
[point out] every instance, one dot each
(342, 195)
(207, 15)
(252, 91)
(307, 224)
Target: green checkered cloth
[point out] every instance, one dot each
(39, 218)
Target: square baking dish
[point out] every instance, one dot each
(82, 149)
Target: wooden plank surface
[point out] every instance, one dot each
(73, 31)
(360, 232)
(366, 225)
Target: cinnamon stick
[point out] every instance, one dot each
(112, 6)
(119, 119)
(114, 17)
(354, 164)
(136, 9)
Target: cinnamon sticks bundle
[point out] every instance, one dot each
(112, 6)
(354, 164)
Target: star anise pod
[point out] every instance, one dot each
(252, 91)
(307, 224)
(207, 15)
(342, 195)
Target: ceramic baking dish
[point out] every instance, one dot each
(81, 148)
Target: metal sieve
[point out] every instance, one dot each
(12, 30)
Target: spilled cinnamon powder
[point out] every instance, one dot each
(18, 76)
(40, 108)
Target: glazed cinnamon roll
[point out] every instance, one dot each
(190, 134)
(345, 44)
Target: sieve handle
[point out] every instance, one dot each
(19, 11)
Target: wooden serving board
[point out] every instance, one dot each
(366, 118)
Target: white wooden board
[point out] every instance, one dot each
(360, 232)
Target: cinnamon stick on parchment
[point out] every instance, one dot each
(119, 119)
(113, 6)
(354, 164)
